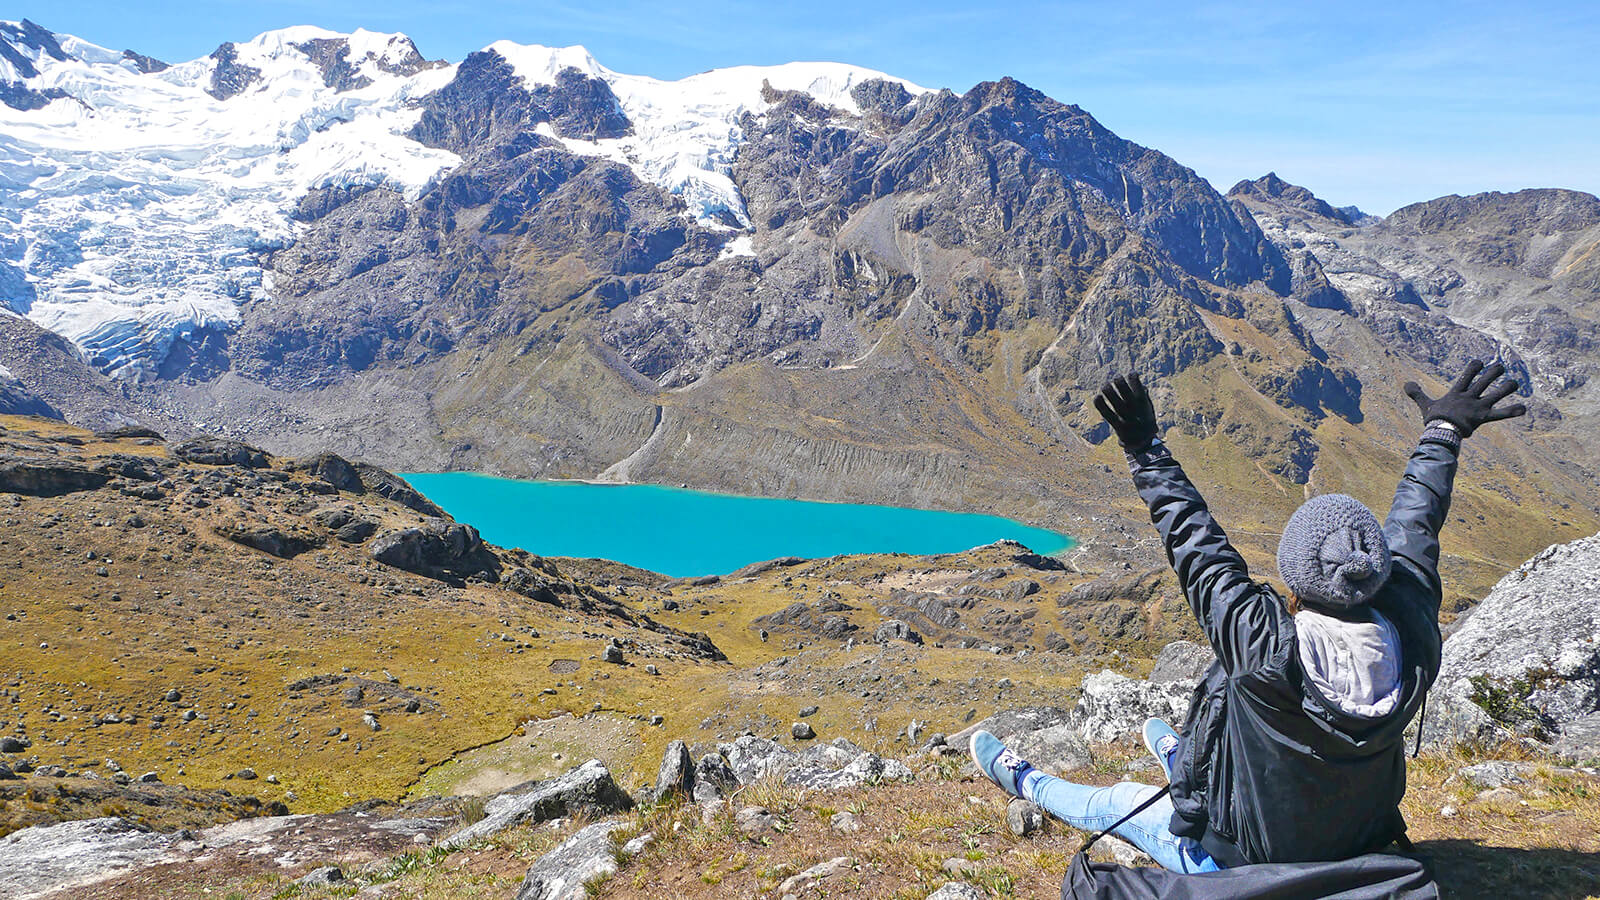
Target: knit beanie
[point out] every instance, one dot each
(1332, 553)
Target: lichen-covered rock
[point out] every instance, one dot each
(48, 858)
(562, 873)
(1183, 661)
(586, 789)
(832, 766)
(676, 775)
(1114, 706)
(1527, 662)
(713, 778)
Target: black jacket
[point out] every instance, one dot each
(1267, 769)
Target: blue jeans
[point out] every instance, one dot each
(1095, 808)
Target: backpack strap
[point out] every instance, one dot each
(1122, 821)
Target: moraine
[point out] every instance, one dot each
(686, 533)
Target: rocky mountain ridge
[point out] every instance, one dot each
(810, 280)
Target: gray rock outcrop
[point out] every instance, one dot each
(676, 775)
(1527, 662)
(1182, 661)
(563, 873)
(49, 858)
(833, 766)
(1044, 735)
(436, 547)
(585, 789)
(1114, 706)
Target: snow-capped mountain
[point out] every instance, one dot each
(140, 196)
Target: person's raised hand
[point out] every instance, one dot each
(1126, 407)
(1470, 402)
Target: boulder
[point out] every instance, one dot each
(47, 477)
(831, 766)
(803, 881)
(1114, 706)
(1059, 748)
(436, 547)
(214, 451)
(676, 775)
(1182, 661)
(283, 541)
(896, 630)
(563, 873)
(1526, 663)
(1008, 724)
(587, 789)
(327, 876)
(755, 821)
(713, 778)
(332, 468)
(1024, 817)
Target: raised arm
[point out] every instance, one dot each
(1422, 501)
(1236, 614)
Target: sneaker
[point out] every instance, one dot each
(996, 761)
(1162, 743)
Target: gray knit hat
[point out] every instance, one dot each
(1332, 553)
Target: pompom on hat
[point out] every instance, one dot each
(1332, 553)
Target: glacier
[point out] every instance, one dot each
(136, 200)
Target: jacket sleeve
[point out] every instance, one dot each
(1421, 505)
(1234, 611)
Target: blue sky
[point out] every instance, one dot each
(1377, 104)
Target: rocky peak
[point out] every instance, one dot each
(22, 44)
(1541, 210)
(230, 77)
(1270, 187)
(342, 65)
(145, 64)
(488, 105)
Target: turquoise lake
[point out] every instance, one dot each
(685, 533)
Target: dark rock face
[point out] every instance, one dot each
(713, 778)
(821, 619)
(282, 541)
(436, 548)
(230, 77)
(214, 451)
(342, 73)
(145, 64)
(333, 469)
(676, 775)
(46, 477)
(15, 94)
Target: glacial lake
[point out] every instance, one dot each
(688, 533)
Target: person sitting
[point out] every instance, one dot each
(1293, 747)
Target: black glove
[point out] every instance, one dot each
(1126, 407)
(1470, 401)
